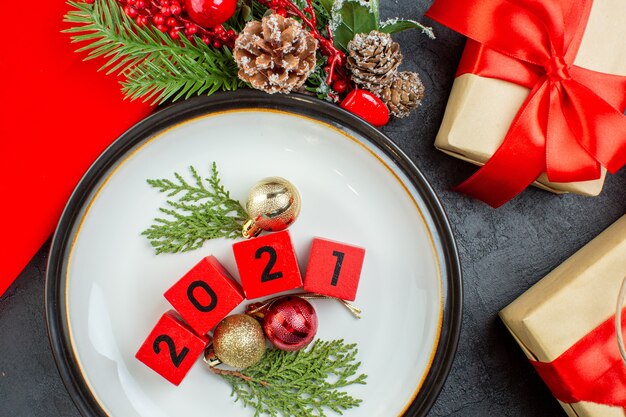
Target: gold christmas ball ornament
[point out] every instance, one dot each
(239, 341)
(273, 204)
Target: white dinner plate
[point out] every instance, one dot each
(105, 285)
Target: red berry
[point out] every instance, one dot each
(219, 30)
(191, 29)
(162, 28)
(171, 22)
(165, 11)
(140, 4)
(281, 11)
(367, 106)
(131, 11)
(159, 19)
(176, 9)
(90, 1)
(340, 86)
(217, 44)
(130, 2)
(141, 20)
(205, 39)
(210, 13)
(164, 3)
(174, 34)
(231, 34)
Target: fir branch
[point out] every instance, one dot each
(199, 214)
(316, 82)
(155, 65)
(306, 383)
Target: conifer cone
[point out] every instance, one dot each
(275, 55)
(373, 59)
(403, 94)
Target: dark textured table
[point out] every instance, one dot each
(503, 252)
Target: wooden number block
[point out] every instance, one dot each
(334, 269)
(171, 348)
(267, 265)
(205, 295)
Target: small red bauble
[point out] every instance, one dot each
(367, 106)
(210, 13)
(290, 323)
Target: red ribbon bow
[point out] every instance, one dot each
(570, 124)
(591, 370)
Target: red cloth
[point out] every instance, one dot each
(591, 370)
(58, 114)
(572, 121)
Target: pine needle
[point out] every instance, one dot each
(199, 213)
(156, 67)
(306, 383)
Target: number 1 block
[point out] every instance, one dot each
(267, 265)
(205, 295)
(334, 269)
(171, 348)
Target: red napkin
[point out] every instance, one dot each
(57, 115)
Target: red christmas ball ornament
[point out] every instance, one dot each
(290, 323)
(210, 13)
(367, 106)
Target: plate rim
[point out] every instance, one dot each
(299, 105)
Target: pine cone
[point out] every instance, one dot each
(403, 94)
(373, 60)
(275, 55)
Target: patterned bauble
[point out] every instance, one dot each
(290, 323)
(239, 341)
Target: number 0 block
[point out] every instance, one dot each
(205, 295)
(171, 348)
(267, 265)
(334, 269)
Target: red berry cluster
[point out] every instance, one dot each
(169, 16)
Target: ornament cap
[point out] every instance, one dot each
(210, 358)
(250, 229)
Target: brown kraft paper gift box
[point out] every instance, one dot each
(569, 303)
(480, 110)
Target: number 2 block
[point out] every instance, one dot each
(334, 269)
(171, 348)
(267, 265)
(205, 295)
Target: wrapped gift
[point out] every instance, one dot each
(566, 326)
(539, 95)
